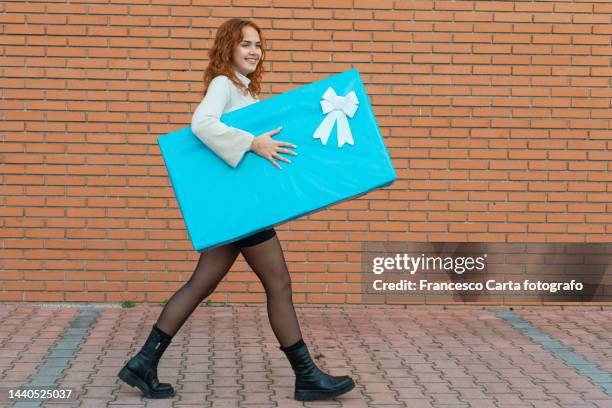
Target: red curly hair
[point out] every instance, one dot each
(229, 35)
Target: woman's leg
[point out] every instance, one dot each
(212, 267)
(268, 262)
(141, 370)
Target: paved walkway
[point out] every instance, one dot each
(224, 356)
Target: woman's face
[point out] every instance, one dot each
(247, 53)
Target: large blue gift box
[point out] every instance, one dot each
(340, 149)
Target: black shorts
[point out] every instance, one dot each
(255, 239)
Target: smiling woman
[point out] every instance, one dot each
(247, 55)
(239, 47)
(231, 81)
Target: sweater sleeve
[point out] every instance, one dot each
(227, 142)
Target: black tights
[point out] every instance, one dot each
(267, 261)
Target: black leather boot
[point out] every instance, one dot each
(141, 370)
(310, 382)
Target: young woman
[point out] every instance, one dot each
(231, 82)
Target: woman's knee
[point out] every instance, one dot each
(281, 288)
(201, 290)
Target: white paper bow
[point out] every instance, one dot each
(336, 108)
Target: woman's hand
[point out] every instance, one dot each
(269, 149)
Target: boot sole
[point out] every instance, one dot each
(310, 395)
(136, 382)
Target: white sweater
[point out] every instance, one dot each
(223, 96)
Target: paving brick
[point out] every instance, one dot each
(228, 356)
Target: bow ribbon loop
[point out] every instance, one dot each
(336, 108)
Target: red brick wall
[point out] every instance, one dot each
(496, 114)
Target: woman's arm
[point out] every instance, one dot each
(227, 142)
